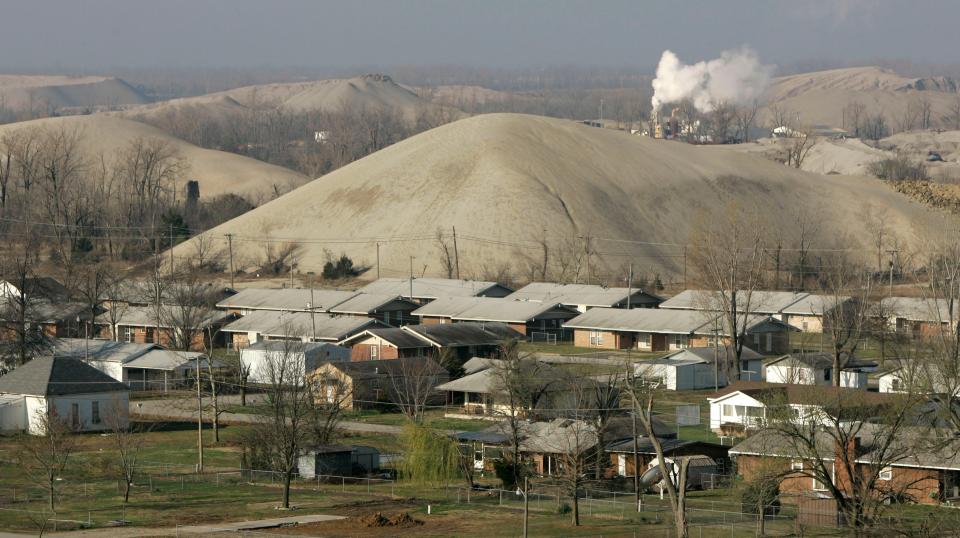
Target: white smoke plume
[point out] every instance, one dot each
(737, 76)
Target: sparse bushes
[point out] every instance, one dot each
(342, 268)
(899, 168)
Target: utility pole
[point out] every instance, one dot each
(171, 248)
(411, 278)
(378, 260)
(230, 248)
(629, 285)
(684, 266)
(892, 253)
(456, 253)
(636, 461)
(601, 113)
(716, 355)
(199, 419)
(313, 310)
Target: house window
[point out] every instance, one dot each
(127, 335)
(728, 410)
(643, 340)
(820, 486)
(386, 318)
(805, 326)
(374, 352)
(769, 341)
(75, 415)
(596, 338)
(796, 465)
(826, 374)
(886, 473)
(95, 412)
(896, 384)
(681, 341)
(756, 341)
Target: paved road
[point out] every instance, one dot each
(185, 409)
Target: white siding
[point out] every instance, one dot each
(13, 413)
(111, 368)
(108, 403)
(735, 413)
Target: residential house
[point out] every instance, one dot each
(466, 339)
(139, 366)
(68, 388)
(45, 288)
(424, 290)
(140, 324)
(386, 343)
(745, 405)
(814, 368)
(526, 317)
(133, 292)
(47, 319)
(654, 329)
(919, 472)
(262, 359)
(546, 446)
(391, 310)
(257, 326)
(388, 309)
(918, 317)
(802, 310)
(365, 384)
(582, 297)
(698, 368)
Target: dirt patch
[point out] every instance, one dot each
(402, 520)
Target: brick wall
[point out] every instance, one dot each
(362, 352)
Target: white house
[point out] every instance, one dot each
(302, 356)
(696, 368)
(817, 369)
(69, 388)
(747, 404)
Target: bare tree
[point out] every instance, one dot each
(19, 315)
(128, 442)
(798, 147)
(953, 114)
(413, 380)
(189, 311)
(722, 119)
(283, 431)
(846, 311)
(854, 115)
(641, 394)
(575, 440)
(746, 115)
(781, 116)
(727, 255)
(447, 256)
(44, 457)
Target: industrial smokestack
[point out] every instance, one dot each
(737, 77)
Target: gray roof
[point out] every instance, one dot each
(559, 436)
(369, 303)
(314, 353)
(47, 376)
(285, 324)
(288, 299)
(761, 302)
(166, 359)
(394, 367)
(705, 355)
(482, 382)
(580, 294)
(430, 288)
(813, 304)
(146, 316)
(476, 364)
(645, 320)
(100, 350)
(645, 446)
(464, 333)
(821, 360)
(45, 311)
(487, 309)
(920, 309)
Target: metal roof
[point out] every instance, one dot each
(815, 305)
(165, 359)
(482, 382)
(578, 294)
(146, 316)
(289, 299)
(100, 350)
(706, 354)
(47, 376)
(430, 288)
(301, 324)
(821, 360)
(486, 309)
(368, 303)
(645, 320)
(761, 302)
(464, 333)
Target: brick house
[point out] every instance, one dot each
(261, 325)
(583, 297)
(141, 325)
(425, 290)
(804, 311)
(654, 329)
(526, 317)
(915, 471)
(365, 384)
(391, 310)
(386, 343)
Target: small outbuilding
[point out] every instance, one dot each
(338, 460)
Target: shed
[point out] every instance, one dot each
(338, 460)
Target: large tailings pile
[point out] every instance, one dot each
(520, 188)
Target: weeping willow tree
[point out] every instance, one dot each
(429, 457)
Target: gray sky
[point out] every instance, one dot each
(93, 35)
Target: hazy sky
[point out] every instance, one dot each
(103, 34)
